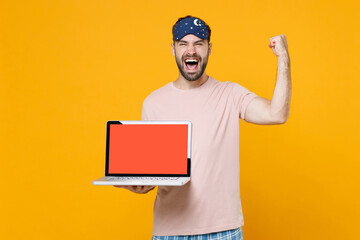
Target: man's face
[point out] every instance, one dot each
(191, 54)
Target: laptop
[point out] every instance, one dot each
(155, 153)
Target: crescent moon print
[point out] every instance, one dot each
(196, 22)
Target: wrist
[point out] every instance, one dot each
(284, 58)
(284, 62)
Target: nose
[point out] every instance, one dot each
(191, 49)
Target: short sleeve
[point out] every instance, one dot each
(242, 97)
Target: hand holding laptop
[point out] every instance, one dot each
(137, 189)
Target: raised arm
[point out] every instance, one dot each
(275, 111)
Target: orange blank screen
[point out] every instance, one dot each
(148, 149)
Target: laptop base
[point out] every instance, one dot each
(178, 182)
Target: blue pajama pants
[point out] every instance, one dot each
(233, 234)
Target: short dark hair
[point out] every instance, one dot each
(189, 16)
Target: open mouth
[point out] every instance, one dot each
(191, 64)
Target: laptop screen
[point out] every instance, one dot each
(147, 149)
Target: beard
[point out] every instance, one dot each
(192, 76)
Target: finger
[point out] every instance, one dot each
(142, 189)
(148, 188)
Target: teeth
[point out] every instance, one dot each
(191, 60)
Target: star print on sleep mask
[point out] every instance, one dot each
(191, 26)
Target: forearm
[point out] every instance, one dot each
(280, 102)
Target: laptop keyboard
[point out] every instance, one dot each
(140, 178)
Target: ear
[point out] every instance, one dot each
(173, 49)
(210, 47)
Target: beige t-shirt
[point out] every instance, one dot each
(210, 202)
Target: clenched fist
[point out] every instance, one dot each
(279, 46)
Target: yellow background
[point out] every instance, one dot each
(66, 67)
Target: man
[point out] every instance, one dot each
(209, 205)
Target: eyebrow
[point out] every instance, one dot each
(202, 40)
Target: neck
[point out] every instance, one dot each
(182, 83)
